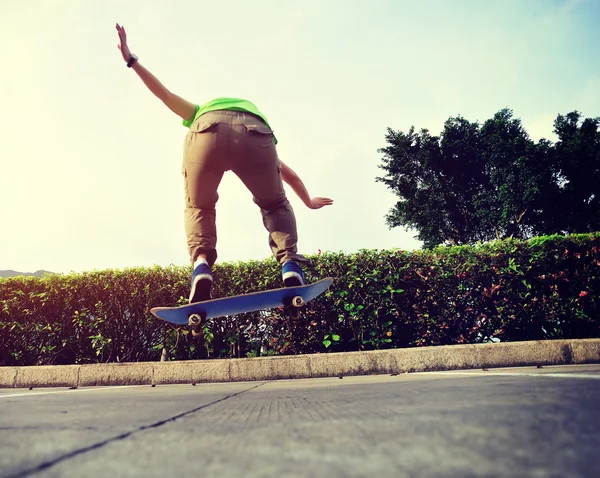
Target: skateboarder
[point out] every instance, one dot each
(230, 134)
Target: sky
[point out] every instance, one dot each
(90, 160)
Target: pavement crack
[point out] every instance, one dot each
(80, 451)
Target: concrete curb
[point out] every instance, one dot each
(450, 357)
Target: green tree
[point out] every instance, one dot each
(483, 182)
(578, 158)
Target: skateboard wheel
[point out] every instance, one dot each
(298, 301)
(194, 320)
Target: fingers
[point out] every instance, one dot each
(122, 32)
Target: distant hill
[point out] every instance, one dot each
(11, 273)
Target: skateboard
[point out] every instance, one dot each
(293, 299)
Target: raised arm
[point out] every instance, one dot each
(290, 177)
(175, 103)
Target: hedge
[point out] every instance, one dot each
(544, 288)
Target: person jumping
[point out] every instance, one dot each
(230, 134)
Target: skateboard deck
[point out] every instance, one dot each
(292, 297)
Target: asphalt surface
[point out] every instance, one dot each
(530, 422)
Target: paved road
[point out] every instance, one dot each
(498, 423)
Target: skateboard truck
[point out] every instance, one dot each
(195, 322)
(294, 306)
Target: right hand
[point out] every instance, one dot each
(123, 43)
(318, 203)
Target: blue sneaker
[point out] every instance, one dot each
(292, 274)
(202, 280)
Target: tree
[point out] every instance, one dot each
(578, 158)
(482, 182)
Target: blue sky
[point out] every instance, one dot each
(90, 168)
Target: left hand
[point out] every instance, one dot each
(123, 43)
(318, 203)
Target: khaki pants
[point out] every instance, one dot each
(219, 141)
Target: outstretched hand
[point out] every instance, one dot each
(123, 43)
(318, 203)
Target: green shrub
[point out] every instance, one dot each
(545, 288)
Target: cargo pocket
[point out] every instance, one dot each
(259, 128)
(261, 134)
(203, 135)
(203, 126)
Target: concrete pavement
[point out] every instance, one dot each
(529, 422)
